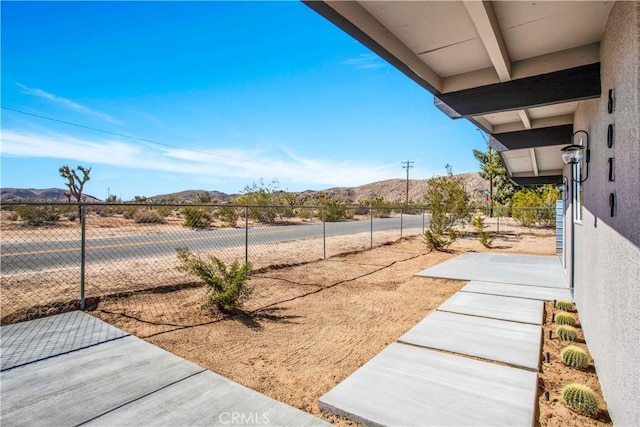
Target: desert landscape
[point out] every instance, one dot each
(307, 327)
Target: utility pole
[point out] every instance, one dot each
(407, 165)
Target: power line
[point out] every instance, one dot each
(407, 165)
(104, 131)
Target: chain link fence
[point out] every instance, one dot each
(57, 257)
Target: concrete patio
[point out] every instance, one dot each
(433, 377)
(74, 369)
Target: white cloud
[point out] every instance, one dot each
(67, 103)
(246, 166)
(366, 61)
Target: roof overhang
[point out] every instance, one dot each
(517, 70)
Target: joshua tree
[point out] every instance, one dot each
(74, 181)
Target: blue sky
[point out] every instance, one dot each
(229, 93)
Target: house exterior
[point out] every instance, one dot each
(537, 77)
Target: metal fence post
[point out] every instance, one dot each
(498, 221)
(423, 211)
(324, 236)
(82, 252)
(401, 219)
(246, 234)
(371, 233)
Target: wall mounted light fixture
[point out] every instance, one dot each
(575, 153)
(564, 188)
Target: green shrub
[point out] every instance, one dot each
(447, 202)
(163, 211)
(306, 212)
(567, 333)
(196, 218)
(564, 305)
(580, 398)
(335, 211)
(129, 211)
(564, 318)
(478, 225)
(147, 216)
(438, 242)
(228, 215)
(34, 216)
(227, 285)
(380, 207)
(574, 356)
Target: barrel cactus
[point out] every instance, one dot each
(564, 304)
(574, 356)
(580, 398)
(565, 319)
(567, 333)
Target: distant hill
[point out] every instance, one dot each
(192, 195)
(391, 189)
(52, 194)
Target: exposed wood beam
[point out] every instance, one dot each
(573, 84)
(486, 22)
(541, 137)
(356, 21)
(529, 181)
(566, 119)
(534, 161)
(524, 117)
(556, 61)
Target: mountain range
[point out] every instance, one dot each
(392, 190)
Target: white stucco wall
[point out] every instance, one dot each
(607, 253)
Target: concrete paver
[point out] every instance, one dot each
(206, 399)
(495, 307)
(519, 291)
(73, 368)
(513, 343)
(412, 386)
(534, 270)
(39, 339)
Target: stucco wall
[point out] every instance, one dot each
(607, 253)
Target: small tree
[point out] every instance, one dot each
(491, 168)
(447, 201)
(75, 183)
(227, 285)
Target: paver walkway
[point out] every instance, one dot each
(72, 369)
(533, 270)
(427, 379)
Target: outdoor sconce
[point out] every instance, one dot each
(564, 188)
(574, 153)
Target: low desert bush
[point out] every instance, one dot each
(228, 215)
(478, 225)
(147, 216)
(227, 285)
(437, 241)
(335, 211)
(129, 211)
(34, 216)
(196, 218)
